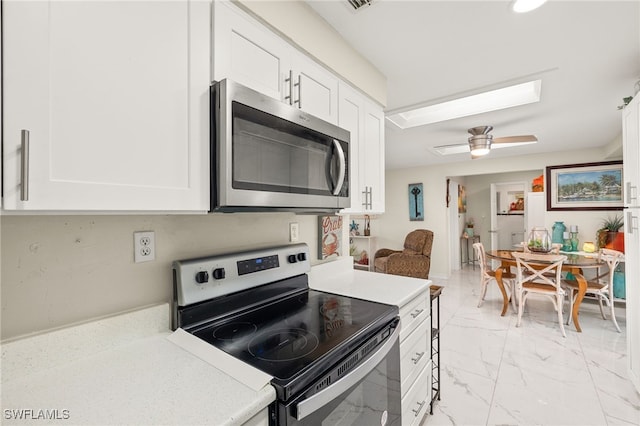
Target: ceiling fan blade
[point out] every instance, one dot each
(516, 139)
(452, 149)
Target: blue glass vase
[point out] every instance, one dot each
(558, 229)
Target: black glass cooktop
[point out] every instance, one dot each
(311, 329)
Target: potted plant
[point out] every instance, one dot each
(609, 235)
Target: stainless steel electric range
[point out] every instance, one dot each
(333, 359)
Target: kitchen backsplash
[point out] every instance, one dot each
(61, 270)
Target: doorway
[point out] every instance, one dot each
(507, 214)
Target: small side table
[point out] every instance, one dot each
(464, 242)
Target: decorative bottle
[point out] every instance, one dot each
(558, 230)
(574, 241)
(566, 243)
(539, 240)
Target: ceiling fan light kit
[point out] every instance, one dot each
(481, 142)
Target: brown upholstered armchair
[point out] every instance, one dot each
(413, 261)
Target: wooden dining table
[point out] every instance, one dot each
(575, 264)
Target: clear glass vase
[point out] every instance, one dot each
(539, 240)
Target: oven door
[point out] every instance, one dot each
(368, 395)
(269, 154)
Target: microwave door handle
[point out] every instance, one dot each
(342, 169)
(325, 396)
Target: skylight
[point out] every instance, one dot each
(506, 97)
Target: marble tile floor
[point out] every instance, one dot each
(494, 373)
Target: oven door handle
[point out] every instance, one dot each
(325, 396)
(343, 167)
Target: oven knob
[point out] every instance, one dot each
(218, 273)
(302, 256)
(292, 258)
(202, 277)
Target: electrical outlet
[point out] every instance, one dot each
(144, 246)
(293, 232)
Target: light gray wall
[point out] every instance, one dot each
(58, 270)
(394, 225)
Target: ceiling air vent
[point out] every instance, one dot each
(357, 4)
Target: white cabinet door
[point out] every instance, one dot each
(350, 117)
(315, 89)
(248, 53)
(631, 153)
(372, 157)
(365, 121)
(114, 96)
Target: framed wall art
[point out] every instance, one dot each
(462, 199)
(329, 236)
(587, 186)
(416, 203)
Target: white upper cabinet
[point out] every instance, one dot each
(315, 90)
(249, 53)
(631, 173)
(365, 121)
(372, 158)
(113, 98)
(631, 152)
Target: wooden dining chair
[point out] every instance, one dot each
(487, 274)
(601, 286)
(540, 274)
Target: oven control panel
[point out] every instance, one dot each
(197, 280)
(258, 264)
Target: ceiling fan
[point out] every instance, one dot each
(481, 142)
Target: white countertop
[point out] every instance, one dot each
(341, 278)
(100, 373)
(130, 368)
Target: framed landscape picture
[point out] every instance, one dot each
(587, 186)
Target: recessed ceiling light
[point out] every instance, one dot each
(522, 6)
(519, 94)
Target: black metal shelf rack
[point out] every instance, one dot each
(435, 345)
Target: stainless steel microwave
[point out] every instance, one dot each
(267, 155)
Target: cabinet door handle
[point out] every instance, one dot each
(290, 81)
(417, 410)
(299, 84)
(417, 312)
(418, 357)
(368, 198)
(630, 222)
(24, 169)
(630, 193)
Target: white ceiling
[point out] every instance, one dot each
(586, 52)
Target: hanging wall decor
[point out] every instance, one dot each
(329, 235)
(462, 199)
(416, 204)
